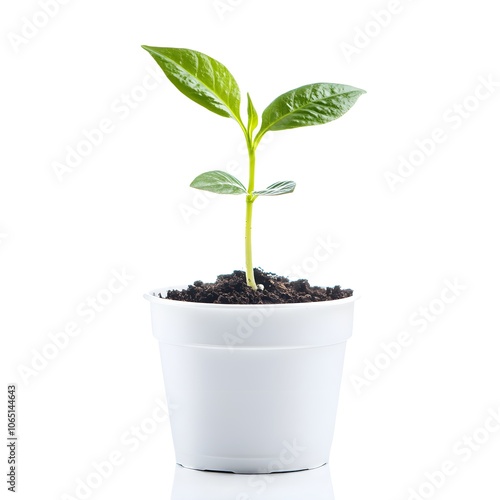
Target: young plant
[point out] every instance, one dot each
(210, 84)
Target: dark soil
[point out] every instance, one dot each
(232, 289)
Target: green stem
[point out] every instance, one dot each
(248, 222)
(248, 245)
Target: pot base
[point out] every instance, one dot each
(242, 465)
(192, 484)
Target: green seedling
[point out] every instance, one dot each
(210, 84)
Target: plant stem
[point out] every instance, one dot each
(248, 222)
(248, 245)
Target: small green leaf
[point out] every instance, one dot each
(277, 188)
(201, 78)
(220, 182)
(312, 104)
(253, 117)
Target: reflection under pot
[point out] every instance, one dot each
(312, 484)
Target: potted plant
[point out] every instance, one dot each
(253, 362)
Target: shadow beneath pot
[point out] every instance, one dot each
(191, 484)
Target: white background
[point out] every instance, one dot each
(121, 210)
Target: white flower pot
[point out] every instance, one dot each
(252, 389)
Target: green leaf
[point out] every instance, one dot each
(309, 105)
(220, 182)
(253, 117)
(277, 188)
(201, 78)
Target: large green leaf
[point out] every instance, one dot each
(309, 105)
(201, 78)
(277, 188)
(220, 182)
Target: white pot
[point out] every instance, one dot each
(252, 388)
